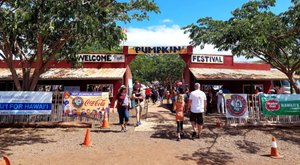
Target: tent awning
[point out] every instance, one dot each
(72, 73)
(238, 74)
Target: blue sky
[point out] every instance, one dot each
(164, 29)
(184, 12)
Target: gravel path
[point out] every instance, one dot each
(154, 142)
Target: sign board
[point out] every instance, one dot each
(207, 59)
(279, 105)
(85, 102)
(25, 103)
(236, 105)
(72, 88)
(101, 88)
(157, 50)
(101, 58)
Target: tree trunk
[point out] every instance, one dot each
(15, 76)
(34, 80)
(39, 62)
(25, 83)
(293, 83)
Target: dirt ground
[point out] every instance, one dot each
(154, 142)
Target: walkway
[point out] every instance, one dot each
(161, 118)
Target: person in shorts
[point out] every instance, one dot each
(139, 104)
(197, 107)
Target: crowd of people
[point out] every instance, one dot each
(179, 99)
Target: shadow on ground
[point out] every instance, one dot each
(206, 155)
(105, 131)
(164, 132)
(288, 134)
(20, 136)
(201, 156)
(213, 155)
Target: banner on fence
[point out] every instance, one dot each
(81, 103)
(280, 105)
(72, 88)
(25, 103)
(236, 105)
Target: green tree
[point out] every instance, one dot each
(97, 47)
(255, 31)
(37, 32)
(163, 68)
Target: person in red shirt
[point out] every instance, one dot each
(148, 94)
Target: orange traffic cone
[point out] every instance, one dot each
(274, 151)
(87, 139)
(105, 123)
(5, 161)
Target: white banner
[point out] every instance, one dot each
(236, 105)
(72, 88)
(208, 59)
(101, 58)
(25, 103)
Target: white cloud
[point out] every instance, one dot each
(167, 21)
(163, 35)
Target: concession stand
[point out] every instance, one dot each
(99, 72)
(216, 71)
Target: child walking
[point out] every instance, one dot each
(179, 107)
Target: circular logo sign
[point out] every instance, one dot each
(272, 105)
(236, 105)
(77, 102)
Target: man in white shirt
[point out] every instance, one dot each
(197, 106)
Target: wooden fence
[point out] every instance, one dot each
(57, 115)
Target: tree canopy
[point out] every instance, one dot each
(163, 68)
(255, 31)
(36, 32)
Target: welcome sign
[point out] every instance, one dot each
(100, 58)
(208, 59)
(157, 50)
(25, 103)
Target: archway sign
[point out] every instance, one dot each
(184, 52)
(130, 52)
(159, 50)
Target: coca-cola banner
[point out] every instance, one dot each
(85, 103)
(280, 105)
(236, 105)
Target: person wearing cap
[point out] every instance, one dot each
(272, 91)
(122, 105)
